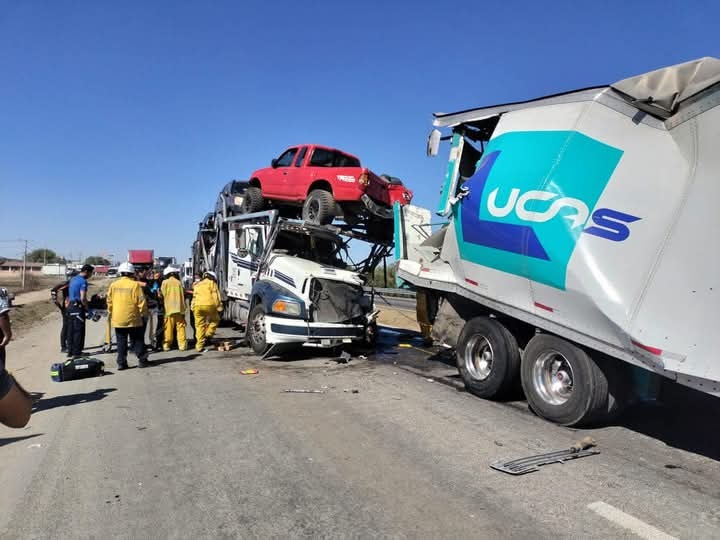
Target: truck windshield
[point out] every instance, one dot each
(322, 250)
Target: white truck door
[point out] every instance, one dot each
(246, 246)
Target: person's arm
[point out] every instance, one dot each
(109, 299)
(15, 403)
(218, 300)
(83, 296)
(142, 302)
(6, 328)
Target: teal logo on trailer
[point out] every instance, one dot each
(530, 200)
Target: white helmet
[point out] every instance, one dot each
(211, 274)
(126, 268)
(170, 270)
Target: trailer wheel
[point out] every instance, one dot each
(256, 331)
(253, 200)
(488, 357)
(562, 383)
(319, 207)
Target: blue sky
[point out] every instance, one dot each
(119, 121)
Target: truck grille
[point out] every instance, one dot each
(335, 301)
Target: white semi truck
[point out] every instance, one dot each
(581, 228)
(284, 281)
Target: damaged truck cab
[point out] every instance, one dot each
(576, 230)
(285, 282)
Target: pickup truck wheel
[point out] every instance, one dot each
(562, 383)
(487, 357)
(319, 207)
(256, 332)
(253, 200)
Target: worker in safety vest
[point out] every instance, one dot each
(127, 307)
(173, 300)
(206, 305)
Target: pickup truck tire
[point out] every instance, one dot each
(253, 200)
(562, 383)
(319, 207)
(488, 358)
(256, 332)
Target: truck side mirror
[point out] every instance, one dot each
(274, 163)
(242, 253)
(433, 143)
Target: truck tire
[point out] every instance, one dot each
(256, 332)
(487, 357)
(319, 207)
(253, 200)
(562, 383)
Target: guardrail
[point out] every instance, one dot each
(401, 293)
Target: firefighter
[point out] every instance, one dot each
(127, 307)
(206, 305)
(173, 302)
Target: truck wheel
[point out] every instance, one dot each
(253, 200)
(256, 332)
(488, 357)
(562, 383)
(319, 207)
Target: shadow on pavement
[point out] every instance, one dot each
(684, 419)
(10, 440)
(71, 399)
(184, 358)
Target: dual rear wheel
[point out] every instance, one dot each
(562, 383)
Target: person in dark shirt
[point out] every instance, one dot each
(59, 296)
(15, 402)
(77, 311)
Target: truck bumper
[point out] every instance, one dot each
(385, 212)
(281, 330)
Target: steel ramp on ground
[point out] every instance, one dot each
(533, 463)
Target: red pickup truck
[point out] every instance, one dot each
(327, 183)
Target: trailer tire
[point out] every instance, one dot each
(488, 358)
(562, 383)
(319, 207)
(253, 200)
(256, 331)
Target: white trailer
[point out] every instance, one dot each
(580, 228)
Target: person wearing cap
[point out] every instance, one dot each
(173, 303)
(127, 306)
(206, 306)
(77, 311)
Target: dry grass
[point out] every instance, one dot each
(398, 318)
(33, 282)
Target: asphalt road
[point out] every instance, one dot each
(190, 448)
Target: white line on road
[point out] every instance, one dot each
(631, 523)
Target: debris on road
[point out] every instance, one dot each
(226, 346)
(302, 391)
(404, 346)
(533, 463)
(344, 358)
(353, 391)
(249, 372)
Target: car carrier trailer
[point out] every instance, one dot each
(580, 228)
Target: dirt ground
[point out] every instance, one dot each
(33, 282)
(31, 308)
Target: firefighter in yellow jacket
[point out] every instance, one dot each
(206, 305)
(127, 307)
(173, 298)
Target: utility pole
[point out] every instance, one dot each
(24, 270)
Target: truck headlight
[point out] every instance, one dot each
(286, 307)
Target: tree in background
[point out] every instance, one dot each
(95, 260)
(378, 277)
(44, 255)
